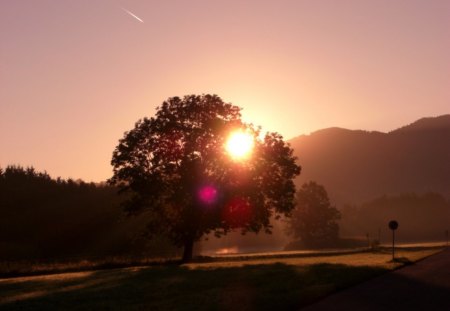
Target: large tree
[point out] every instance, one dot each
(314, 219)
(175, 167)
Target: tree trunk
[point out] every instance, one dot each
(188, 250)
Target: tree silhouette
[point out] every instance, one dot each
(175, 167)
(314, 219)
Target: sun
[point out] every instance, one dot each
(239, 145)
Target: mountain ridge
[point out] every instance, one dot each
(441, 122)
(358, 165)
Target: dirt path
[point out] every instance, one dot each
(422, 286)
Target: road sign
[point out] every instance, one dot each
(393, 225)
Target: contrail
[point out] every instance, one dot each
(132, 15)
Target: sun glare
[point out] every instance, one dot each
(239, 144)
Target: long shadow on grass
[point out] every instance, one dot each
(251, 287)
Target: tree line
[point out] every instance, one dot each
(46, 218)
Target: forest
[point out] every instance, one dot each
(45, 218)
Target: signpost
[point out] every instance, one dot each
(393, 225)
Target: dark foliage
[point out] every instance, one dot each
(314, 220)
(47, 219)
(165, 161)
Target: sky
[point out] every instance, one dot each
(75, 75)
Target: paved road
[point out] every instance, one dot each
(424, 285)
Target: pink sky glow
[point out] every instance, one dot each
(75, 75)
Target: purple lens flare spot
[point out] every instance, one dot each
(208, 194)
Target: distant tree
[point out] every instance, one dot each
(175, 167)
(314, 219)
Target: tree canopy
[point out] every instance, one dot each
(314, 219)
(175, 167)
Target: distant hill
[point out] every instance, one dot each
(356, 166)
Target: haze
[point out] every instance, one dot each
(74, 75)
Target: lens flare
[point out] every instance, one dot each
(237, 212)
(208, 195)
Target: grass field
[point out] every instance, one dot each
(255, 283)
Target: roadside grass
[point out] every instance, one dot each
(28, 268)
(254, 284)
(381, 258)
